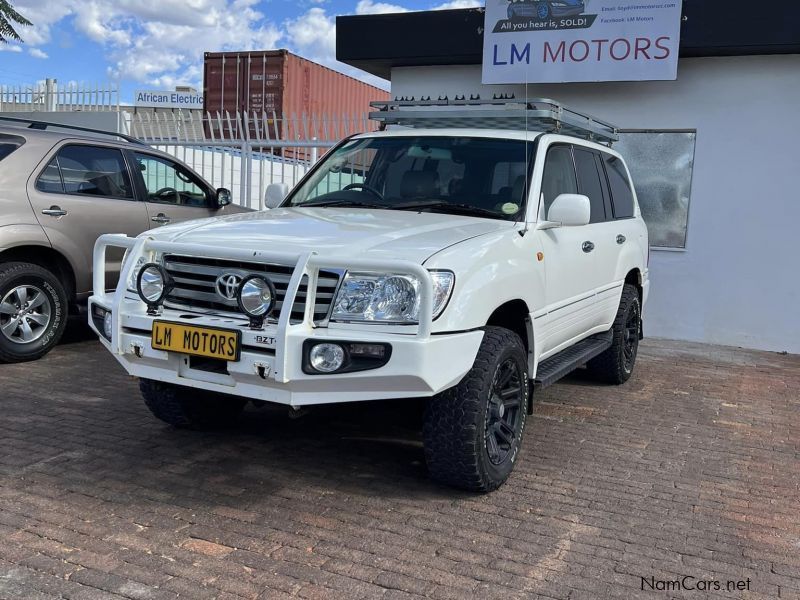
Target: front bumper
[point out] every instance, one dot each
(270, 365)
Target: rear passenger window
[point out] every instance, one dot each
(6, 149)
(559, 175)
(87, 171)
(50, 179)
(589, 183)
(621, 194)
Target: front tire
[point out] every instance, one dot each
(473, 431)
(33, 311)
(543, 10)
(188, 408)
(615, 365)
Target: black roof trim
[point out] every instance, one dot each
(376, 43)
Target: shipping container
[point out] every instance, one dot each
(276, 85)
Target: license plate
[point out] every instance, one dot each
(211, 342)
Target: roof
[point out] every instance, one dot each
(377, 43)
(57, 132)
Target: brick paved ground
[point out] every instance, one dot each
(690, 469)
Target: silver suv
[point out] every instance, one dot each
(60, 189)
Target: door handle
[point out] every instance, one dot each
(587, 247)
(54, 211)
(160, 218)
(620, 239)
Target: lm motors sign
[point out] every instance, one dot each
(556, 41)
(154, 99)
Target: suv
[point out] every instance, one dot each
(61, 190)
(466, 266)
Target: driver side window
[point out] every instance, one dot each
(351, 168)
(559, 175)
(167, 182)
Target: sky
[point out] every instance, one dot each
(158, 44)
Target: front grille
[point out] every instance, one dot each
(195, 286)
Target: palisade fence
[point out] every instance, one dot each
(246, 152)
(49, 96)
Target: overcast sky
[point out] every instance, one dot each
(157, 44)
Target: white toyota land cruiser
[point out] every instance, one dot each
(467, 266)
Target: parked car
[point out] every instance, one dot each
(545, 9)
(60, 189)
(459, 265)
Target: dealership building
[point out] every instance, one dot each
(714, 153)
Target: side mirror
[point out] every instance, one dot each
(570, 210)
(224, 197)
(276, 193)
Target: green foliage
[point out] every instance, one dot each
(8, 16)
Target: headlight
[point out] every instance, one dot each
(388, 297)
(256, 296)
(153, 283)
(150, 257)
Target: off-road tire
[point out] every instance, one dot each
(16, 274)
(455, 421)
(188, 408)
(613, 366)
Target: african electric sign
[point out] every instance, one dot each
(555, 41)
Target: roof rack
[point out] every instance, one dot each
(43, 125)
(503, 111)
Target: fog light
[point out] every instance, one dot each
(326, 358)
(256, 298)
(107, 326)
(153, 284)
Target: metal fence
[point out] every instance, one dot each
(246, 152)
(49, 96)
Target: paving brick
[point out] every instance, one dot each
(689, 469)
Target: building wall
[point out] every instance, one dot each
(738, 280)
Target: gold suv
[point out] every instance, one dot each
(60, 189)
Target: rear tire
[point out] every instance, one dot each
(615, 365)
(473, 431)
(188, 408)
(33, 311)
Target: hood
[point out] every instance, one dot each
(335, 232)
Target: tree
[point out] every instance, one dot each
(8, 16)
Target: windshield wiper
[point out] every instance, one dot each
(463, 209)
(352, 203)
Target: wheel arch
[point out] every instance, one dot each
(47, 258)
(634, 277)
(516, 316)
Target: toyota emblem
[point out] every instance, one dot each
(228, 285)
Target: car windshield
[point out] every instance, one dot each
(471, 176)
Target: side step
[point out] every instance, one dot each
(569, 359)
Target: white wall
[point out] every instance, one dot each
(738, 281)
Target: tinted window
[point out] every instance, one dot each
(50, 179)
(6, 149)
(621, 194)
(559, 175)
(94, 171)
(589, 183)
(170, 183)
